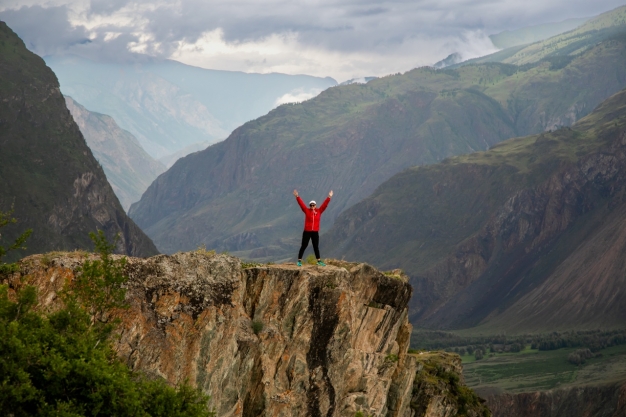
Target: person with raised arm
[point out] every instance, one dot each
(312, 216)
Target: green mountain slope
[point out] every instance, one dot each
(527, 236)
(530, 34)
(557, 48)
(236, 195)
(47, 172)
(129, 169)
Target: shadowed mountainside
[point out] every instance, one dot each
(129, 169)
(528, 236)
(236, 195)
(47, 172)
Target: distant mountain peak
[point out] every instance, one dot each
(360, 80)
(451, 59)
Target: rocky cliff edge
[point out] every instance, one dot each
(262, 340)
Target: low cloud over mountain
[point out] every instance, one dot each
(332, 38)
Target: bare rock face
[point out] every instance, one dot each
(591, 401)
(269, 340)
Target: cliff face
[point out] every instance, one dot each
(270, 340)
(47, 172)
(129, 169)
(593, 401)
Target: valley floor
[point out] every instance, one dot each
(535, 370)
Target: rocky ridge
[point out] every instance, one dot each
(266, 340)
(47, 172)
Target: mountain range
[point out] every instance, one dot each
(526, 237)
(236, 195)
(169, 106)
(48, 174)
(129, 169)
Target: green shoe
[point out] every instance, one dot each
(320, 263)
(299, 263)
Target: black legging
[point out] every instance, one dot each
(315, 237)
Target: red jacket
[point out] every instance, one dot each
(312, 216)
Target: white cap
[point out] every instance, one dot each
(312, 202)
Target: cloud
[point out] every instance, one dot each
(297, 96)
(343, 39)
(48, 29)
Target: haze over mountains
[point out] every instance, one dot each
(48, 175)
(129, 169)
(601, 28)
(169, 106)
(531, 34)
(235, 195)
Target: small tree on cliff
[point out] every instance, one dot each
(99, 284)
(6, 218)
(62, 365)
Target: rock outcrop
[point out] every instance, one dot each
(591, 401)
(262, 340)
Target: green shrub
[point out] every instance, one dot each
(391, 358)
(311, 260)
(98, 285)
(59, 365)
(5, 220)
(257, 326)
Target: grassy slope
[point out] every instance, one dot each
(566, 44)
(533, 370)
(574, 41)
(524, 36)
(44, 162)
(431, 222)
(352, 138)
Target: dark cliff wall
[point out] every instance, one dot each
(597, 401)
(47, 172)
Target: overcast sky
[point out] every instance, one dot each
(339, 38)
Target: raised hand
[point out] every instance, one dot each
(295, 192)
(331, 193)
